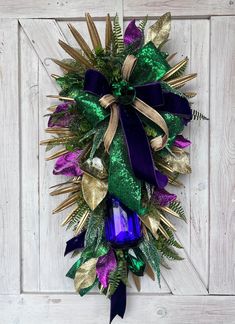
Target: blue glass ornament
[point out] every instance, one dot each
(122, 225)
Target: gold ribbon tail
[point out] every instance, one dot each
(112, 127)
(160, 141)
(109, 101)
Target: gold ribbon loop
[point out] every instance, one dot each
(107, 100)
(112, 127)
(128, 66)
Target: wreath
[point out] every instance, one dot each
(120, 121)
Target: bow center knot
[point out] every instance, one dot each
(124, 93)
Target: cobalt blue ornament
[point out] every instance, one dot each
(122, 225)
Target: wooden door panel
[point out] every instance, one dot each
(33, 286)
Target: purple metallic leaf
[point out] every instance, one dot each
(181, 142)
(104, 266)
(132, 34)
(68, 164)
(63, 120)
(163, 197)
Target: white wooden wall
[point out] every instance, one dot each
(33, 286)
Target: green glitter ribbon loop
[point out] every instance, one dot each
(90, 107)
(122, 182)
(150, 66)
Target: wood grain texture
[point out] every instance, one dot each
(44, 35)
(9, 159)
(222, 161)
(199, 150)
(29, 165)
(187, 40)
(58, 8)
(72, 309)
(182, 8)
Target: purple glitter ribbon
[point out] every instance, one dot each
(104, 266)
(133, 34)
(68, 164)
(63, 120)
(163, 197)
(181, 142)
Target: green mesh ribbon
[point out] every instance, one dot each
(122, 182)
(150, 66)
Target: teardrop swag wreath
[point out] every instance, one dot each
(120, 121)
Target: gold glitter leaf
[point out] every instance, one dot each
(152, 222)
(178, 162)
(94, 35)
(159, 31)
(94, 190)
(137, 282)
(108, 33)
(85, 275)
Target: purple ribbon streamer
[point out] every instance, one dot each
(139, 149)
(118, 302)
(75, 243)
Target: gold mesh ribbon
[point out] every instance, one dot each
(109, 100)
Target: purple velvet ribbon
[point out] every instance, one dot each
(75, 243)
(118, 302)
(137, 142)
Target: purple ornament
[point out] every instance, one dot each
(181, 142)
(68, 164)
(133, 34)
(104, 266)
(163, 197)
(60, 121)
(122, 225)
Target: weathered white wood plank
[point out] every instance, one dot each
(199, 151)
(72, 309)
(29, 165)
(58, 9)
(222, 158)
(9, 159)
(182, 277)
(44, 36)
(75, 9)
(183, 8)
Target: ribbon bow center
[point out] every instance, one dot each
(124, 93)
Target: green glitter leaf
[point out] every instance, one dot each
(152, 256)
(98, 138)
(90, 107)
(95, 227)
